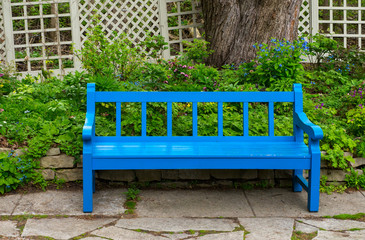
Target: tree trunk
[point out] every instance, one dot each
(234, 26)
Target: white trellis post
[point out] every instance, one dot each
(8, 31)
(164, 26)
(314, 17)
(75, 31)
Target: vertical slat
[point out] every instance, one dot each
(75, 28)
(220, 119)
(164, 25)
(169, 119)
(245, 119)
(118, 119)
(195, 119)
(271, 119)
(144, 119)
(8, 29)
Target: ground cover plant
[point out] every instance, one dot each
(37, 113)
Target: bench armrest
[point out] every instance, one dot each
(313, 131)
(87, 130)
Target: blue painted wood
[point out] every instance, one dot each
(169, 119)
(271, 119)
(201, 163)
(194, 139)
(194, 96)
(297, 176)
(118, 119)
(245, 119)
(302, 182)
(195, 152)
(195, 119)
(224, 150)
(144, 119)
(220, 119)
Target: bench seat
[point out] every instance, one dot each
(251, 150)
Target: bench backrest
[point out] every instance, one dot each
(296, 97)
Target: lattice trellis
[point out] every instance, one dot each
(134, 17)
(40, 35)
(184, 23)
(2, 35)
(304, 27)
(35, 37)
(344, 21)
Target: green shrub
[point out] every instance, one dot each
(277, 66)
(16, 170)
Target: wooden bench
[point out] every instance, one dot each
(198, 152)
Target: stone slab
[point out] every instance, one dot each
(358, 162)
(193, 203)
(305, 228)
(283, 202)
(194, 174)
(179, 236)
(277, 202)
(331, 224)
(69, 175)
(60, 161)
(53, 152)
(62, 228)
(223, 236)
(116, 233)
(177, 224)
(93, 238)
(353, 235)
(8, 203)
(8, 229)
(148, 175)
(106, 202)
(267, 228)
(117, 175)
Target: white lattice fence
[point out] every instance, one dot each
(38, 34)
(135, 18)
(344, 21)
(2, 35)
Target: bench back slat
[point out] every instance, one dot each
(271, 119)
(144, 119)
(118, 119)
(296, 96)
(220, 119)
(194, 96)
(195, 119)
(169, 119)
(245, 119)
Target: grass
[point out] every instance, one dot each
(298, 235)
(357, 216)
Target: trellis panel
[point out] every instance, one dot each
(2, 35)
(134, 17)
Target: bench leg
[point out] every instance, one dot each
(314, 180)
(87, 184)
(93, 181)
(296, 185)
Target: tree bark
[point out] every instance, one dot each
(233, 26)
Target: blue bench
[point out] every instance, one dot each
(203, 152)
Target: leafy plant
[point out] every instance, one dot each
(196, 51)
(277, 66)
(16, 171)
(132, 193)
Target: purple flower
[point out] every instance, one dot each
(166, 82)
(360, 105)
(1, 74)
(204, 88)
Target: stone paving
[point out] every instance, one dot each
(205, 214)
